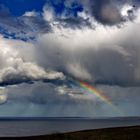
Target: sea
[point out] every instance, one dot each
(18, 127)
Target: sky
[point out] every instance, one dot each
(69, 58)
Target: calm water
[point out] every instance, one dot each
(29, 127)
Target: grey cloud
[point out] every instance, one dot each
(24, 27)
(105, 11)
(103, 56)
(16, 66)
(107, 66)
(28, 27)
(65, 21)
(26, 72)
(41, 99)
(75, 22)
(125, 98)
(108, 12)
(36, 24)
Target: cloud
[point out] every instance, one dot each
(3, 95)
(106, 55)
(105, 12)
(109, 12)
(68, 17)
(48, 14)
(30, 14)
(15, 69)
(43, 99)
(72, 14)
(25, 27)
(77, 71)
(26, 72)
(87, 13)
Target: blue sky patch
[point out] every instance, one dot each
(19, 7)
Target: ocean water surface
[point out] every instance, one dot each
(16, 127)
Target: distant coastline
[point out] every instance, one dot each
(70, 118)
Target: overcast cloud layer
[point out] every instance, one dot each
(43, 53)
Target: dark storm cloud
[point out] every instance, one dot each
(104, 11)
(108, 12)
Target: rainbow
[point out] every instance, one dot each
(98, 94)
(92, 90)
